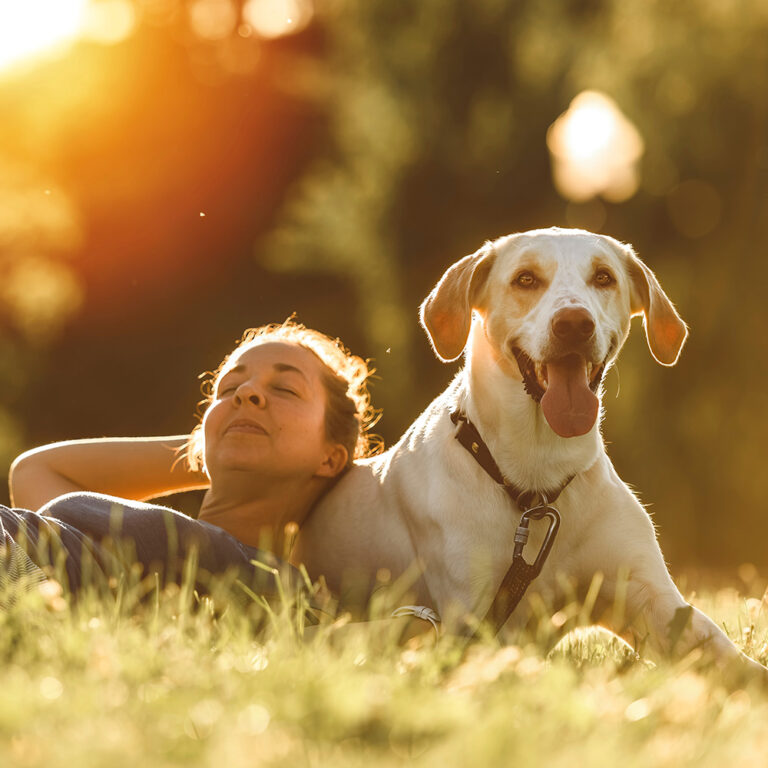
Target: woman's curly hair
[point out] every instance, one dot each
(348, 414)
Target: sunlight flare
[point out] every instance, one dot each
(33, 28)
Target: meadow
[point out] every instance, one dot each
(176, 681)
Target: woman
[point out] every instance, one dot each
(286, 413)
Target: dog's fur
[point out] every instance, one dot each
(427, 502)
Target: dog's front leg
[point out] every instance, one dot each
(637, 598)
(644, 606)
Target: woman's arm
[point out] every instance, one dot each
(137, 468)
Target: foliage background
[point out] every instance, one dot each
(340, 170)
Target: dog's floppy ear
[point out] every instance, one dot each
(664, 329)
(446, 313)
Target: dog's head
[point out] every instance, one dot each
(556, 304)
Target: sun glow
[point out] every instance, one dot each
(29, 28)
(275, 18)
(595, 150)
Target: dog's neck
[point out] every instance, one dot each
(525, 447)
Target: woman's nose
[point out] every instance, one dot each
(249, 392)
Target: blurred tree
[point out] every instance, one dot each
(397, 137)
(39, 230)
(437, 113)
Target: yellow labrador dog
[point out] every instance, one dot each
(539, 316)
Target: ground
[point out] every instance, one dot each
(173, 681)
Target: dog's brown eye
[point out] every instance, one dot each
(604, 278)
(526, 280)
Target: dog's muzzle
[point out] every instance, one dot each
(565, 385)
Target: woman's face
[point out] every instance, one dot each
(268, 416)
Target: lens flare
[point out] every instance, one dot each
(31, 29)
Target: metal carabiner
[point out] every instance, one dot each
(521, 534)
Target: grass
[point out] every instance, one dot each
(174, 682)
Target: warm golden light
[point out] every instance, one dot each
(109, 21)
(39, 228)
(40, 294)
(275, 18)
(212, 19)
(595, 150)
(590, 128)
(32, 28)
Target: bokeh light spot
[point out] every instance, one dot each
(51, 688)
(212, 19)
(595, 150)
(33, 28)
(275, 18)
(34, 223)
(40, 294)
(253, 719)
(109, 21)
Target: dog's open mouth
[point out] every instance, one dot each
(566, 388)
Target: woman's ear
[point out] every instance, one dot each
(335, 462)
(665, 330)
(446, 313)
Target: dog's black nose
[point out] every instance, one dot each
(573, 324)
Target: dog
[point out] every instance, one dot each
(539, 317)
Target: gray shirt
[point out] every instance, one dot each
(90, 533)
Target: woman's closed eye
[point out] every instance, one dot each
(227, 388)
(286, 390)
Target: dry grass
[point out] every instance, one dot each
(172, 682)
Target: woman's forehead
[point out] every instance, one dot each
(270, 354)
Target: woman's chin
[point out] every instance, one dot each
(235, 463)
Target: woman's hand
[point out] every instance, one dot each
(138, 468)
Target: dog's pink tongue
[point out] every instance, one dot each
(569, 405)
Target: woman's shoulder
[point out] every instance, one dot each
(83, 502)
(152, 527)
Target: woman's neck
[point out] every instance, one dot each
(259, 518)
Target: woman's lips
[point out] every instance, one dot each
(246, 426)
